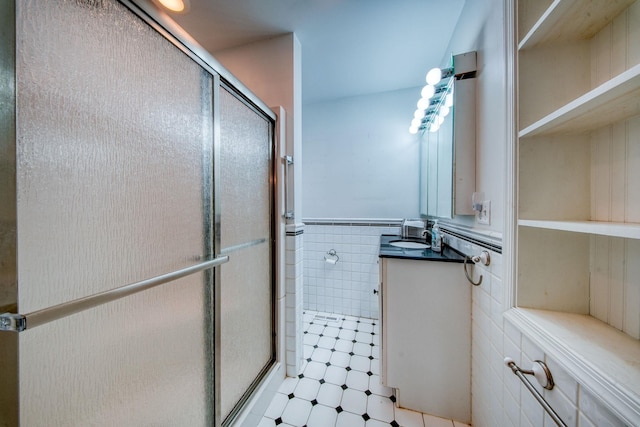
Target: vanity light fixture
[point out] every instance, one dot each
(437, 96)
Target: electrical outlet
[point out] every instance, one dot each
(484, 216)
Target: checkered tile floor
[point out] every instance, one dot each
(340, 384)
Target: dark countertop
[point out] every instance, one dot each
(388, 251)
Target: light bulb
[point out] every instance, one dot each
(448, 102)
(413, 130)
(423, 104)
(174, 5)
(416, 122)
(418, 114)
(428, 91)
(434, 127)
(444, 110)
(434, 76)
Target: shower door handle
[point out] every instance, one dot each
(288, 161)
(20, 322)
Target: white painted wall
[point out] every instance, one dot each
(359, 159)
(481, 28)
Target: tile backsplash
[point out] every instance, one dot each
(346, 287)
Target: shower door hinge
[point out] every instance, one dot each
(13, 322)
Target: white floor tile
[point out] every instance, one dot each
(322, 416)
(375, 352)
(364, 337)
(347, 419)
(345, 346)
(358, 380)
(266, 422)
(360, 363)
(315, 329)
(431, 421)
(321, 355)
(307, 389)
(407, 418)
(354, 401)
(375, 366)
(459, 424)
(277, 405)
(349, 324)
(297, 412)
(362, 349)
(340, 359)
(327, 342)
(331, 331)
(365, 327)
(376, 423)
(310, 339)
(380, 408)
(376, 387)
(288, 385)
(330, 395)
(320, 390)
(315, 370)
(307, 351)
(347, 334)
(335, 375)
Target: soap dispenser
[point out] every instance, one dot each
(436, 237)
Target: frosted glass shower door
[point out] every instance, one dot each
(246, 285)
(114, 137)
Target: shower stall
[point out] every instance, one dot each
(137, 243)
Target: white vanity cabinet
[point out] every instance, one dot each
(426, 336)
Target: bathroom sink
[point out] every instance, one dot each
(407, 244)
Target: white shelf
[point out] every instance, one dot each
(568, 20)
(613, 229)
(611, 102)
(605, 360)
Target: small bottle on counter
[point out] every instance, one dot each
(436, 237)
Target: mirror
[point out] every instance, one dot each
(447, 157)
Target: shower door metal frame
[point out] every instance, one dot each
(220, 84)
(222, 78)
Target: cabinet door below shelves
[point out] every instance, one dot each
(426, 347)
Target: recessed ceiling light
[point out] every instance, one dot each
(177, 6)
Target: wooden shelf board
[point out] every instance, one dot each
(611, 102)
(568, 20)
(613, 229)
(602, 359)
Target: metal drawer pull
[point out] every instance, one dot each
(20, 322)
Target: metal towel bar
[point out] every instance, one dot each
(288, 161)
(543, 375)
(20, 322)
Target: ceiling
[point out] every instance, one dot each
(349, 47)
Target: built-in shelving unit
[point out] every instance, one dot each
(568, 20)
(611, 102)
(578, 237)
(602, 228)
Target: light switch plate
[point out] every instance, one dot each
(484, 216)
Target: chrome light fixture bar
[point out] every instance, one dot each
(437, 96)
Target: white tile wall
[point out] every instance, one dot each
(294, 298)
(499, 397)
(347, 286)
